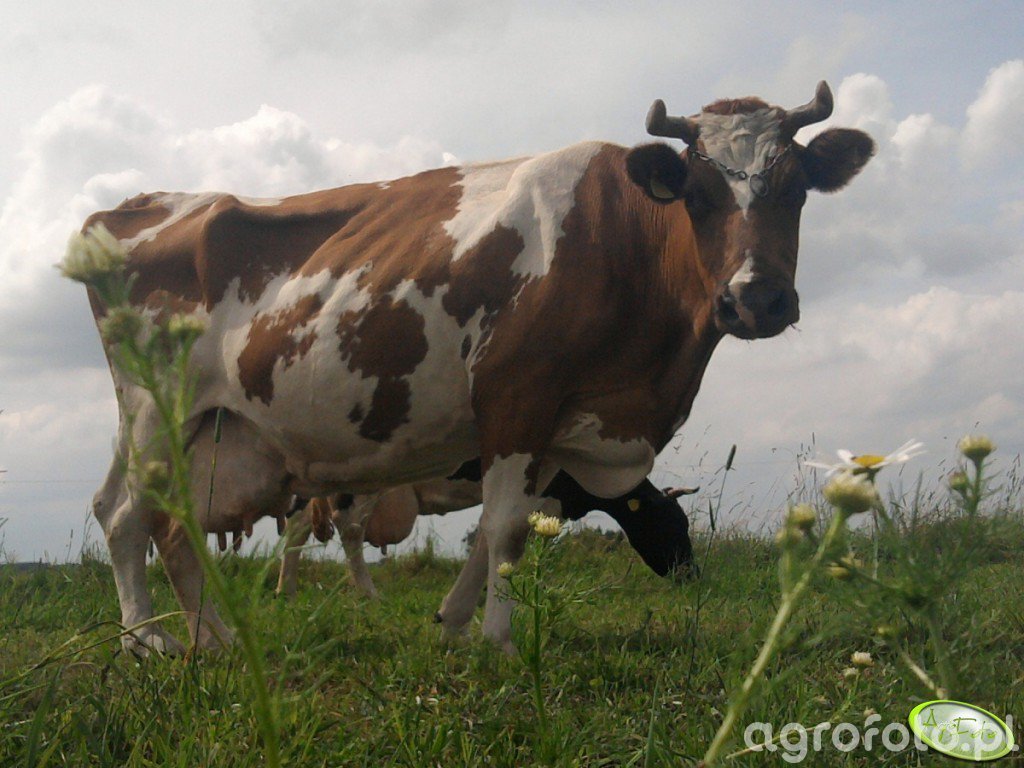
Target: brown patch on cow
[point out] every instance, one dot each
(483, 278)
(614, 329)
(271, 340)
(399, 235)
(254, 244)
(532, 473)
(166, 304)
(385, 340)
(395, 233)
(133, 216)
(389, 409)
(164, 265)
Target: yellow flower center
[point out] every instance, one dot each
(868, 460)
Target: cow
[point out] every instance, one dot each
(652, 519)
(553, 312)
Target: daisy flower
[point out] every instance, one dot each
(869, 463)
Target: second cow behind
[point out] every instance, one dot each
(652, 519)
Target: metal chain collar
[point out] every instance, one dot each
(757, 181)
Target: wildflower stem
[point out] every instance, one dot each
(921, 675)
(535, 658)
(171, 408)
(941, 652)
(790, 599)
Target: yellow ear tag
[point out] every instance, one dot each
(661, 192)
(634, 505)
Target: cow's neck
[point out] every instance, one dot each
(660, 298)
(689, 292)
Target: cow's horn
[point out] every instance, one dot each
(660, 124)
(814, 111)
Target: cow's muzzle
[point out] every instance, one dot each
(756, 310)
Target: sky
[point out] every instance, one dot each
(911, 280)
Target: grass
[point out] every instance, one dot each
(363, 683)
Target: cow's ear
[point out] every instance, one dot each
(835, 156)
(658, 171)
(675, 493)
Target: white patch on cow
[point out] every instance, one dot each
(259, 202)
(745, 274)
(604, 467)
(442, 378)
(308, 421)
(180, 205)
(529, 195)
(741, 142)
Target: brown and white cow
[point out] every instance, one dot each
(546, 312)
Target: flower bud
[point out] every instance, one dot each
(92, 256)
(802, 517)
(505, 570)
(545, 525)
(120, 324)
(959, 482)
(976, 447)
(851, 494)
(185, 328)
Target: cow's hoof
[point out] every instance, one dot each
(215, 642)
(146, 641)
(438, 618)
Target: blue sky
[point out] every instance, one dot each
(911, 281)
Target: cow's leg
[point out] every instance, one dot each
(507, 505)
(296, 534)
(352, 542)
(127, 525)
(185, 572)
(459, 604)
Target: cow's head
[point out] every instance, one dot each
(744, 180)
(657, 528)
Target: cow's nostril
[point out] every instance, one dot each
(779, 305)
(727, 307)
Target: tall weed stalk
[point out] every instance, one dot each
(156, 357)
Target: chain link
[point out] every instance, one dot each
(760, 188)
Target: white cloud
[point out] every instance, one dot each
(995, 121)
(96, 148)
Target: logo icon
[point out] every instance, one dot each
(961, 730)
